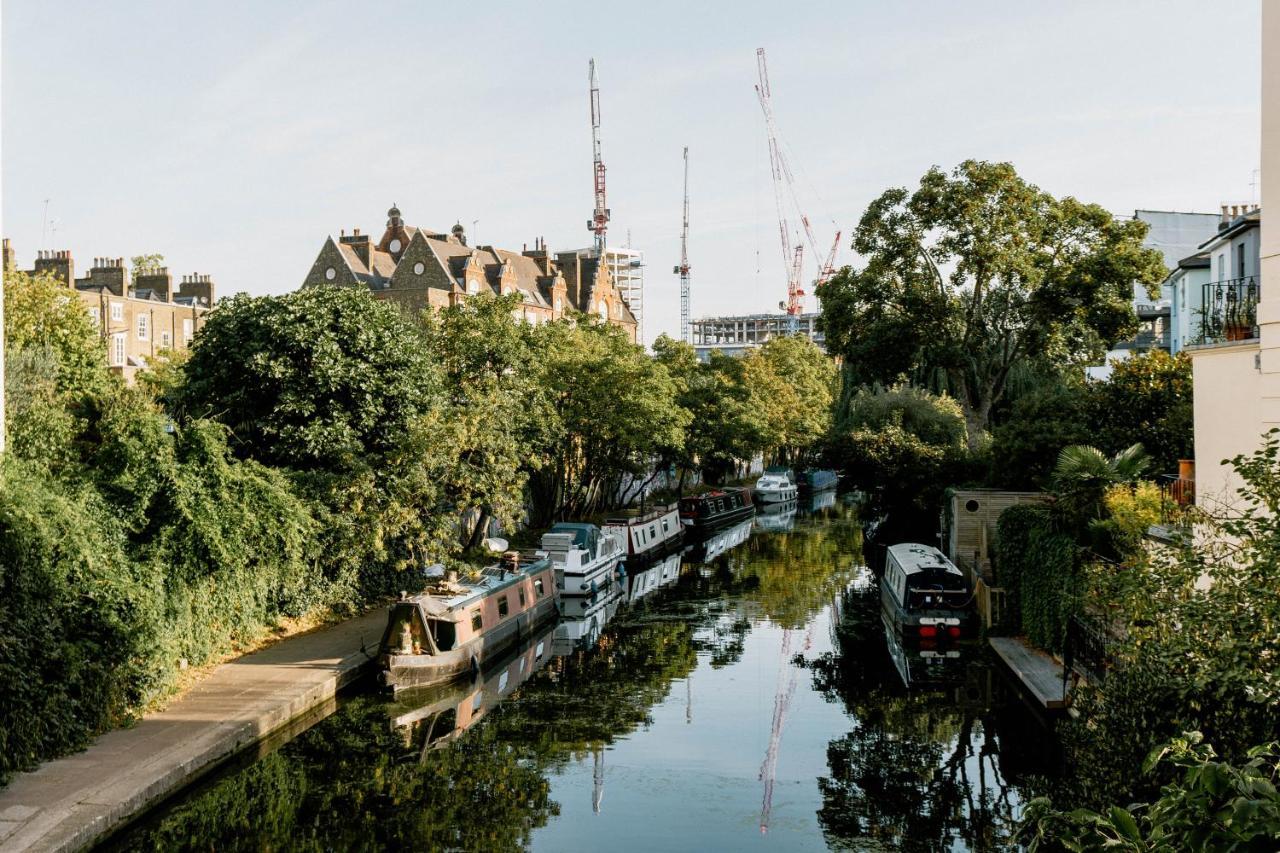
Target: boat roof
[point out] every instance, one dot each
(584, 535)
(914, 557)
(492, 578)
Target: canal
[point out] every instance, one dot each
(743, 696)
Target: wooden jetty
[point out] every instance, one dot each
(1039, 673)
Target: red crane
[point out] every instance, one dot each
(784, 192)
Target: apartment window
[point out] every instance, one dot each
(1222, 267)
(188, 331)
(1240, 260)
(144, 329)
(166, 340)
(477, 621)
(95, 314)
(117, 349)
(117, 312)
(503, 608)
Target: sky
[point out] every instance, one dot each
(233, 137)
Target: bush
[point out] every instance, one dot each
(904, 442)
(77, 622)
(1040, 568)
(1025, 446)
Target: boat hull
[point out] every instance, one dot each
(400, 671)
(776, 496)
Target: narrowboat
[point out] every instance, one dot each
(450, 628)
(585, 557)
(431, 717)
(816, 480)
(924, 594)
(778, 485)
(717, 508)
(647, 535)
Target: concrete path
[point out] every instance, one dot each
(70, 803)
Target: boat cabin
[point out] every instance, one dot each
(729, 503)
(921, 587)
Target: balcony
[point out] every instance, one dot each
(1229, 311)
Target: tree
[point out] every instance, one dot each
(1146, 399)
(143, 264)
(792, 382)
(318, 379)
(42, 312)
(976, 272)
(614, 412)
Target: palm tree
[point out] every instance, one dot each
(1084, 473)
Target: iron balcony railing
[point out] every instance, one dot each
(1229, 311)
(1087, 650)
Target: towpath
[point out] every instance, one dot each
(70, 803)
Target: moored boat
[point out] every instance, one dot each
(648, 534)
(450, 628)
(777, 485)
(816, 480)
(716, 508)
(924, 594)
(585, 557)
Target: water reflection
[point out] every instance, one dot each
(749, 687)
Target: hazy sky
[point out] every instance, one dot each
(233, 137)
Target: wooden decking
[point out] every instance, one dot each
(1039, 673)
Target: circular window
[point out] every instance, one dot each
(395, 245)
(971, 505)
(419, 268)
(330, 274)
(473, 286)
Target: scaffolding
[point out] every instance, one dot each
(734, 335)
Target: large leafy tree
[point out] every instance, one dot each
(792, 382)
(613, 411)
(975, 272)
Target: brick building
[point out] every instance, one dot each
(422, 269)
(137, 319)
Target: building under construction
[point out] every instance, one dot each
(735, 335)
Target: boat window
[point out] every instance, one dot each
(665, 529)
(653, 530)
(538, 588)
(443, 632)
(522, 598)
(477, 621)
(503, 608)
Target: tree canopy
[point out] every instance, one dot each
(975, 272)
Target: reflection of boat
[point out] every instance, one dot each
(584, 619)
(453, 626)
(649, 533)
(650, 576)
(816, 480)
(777, 517)
(819, 501)
(778, 485)
(584, 557)
(924, 593)
(926, 666)
(719, 542)
(433, 716)
(716, 508)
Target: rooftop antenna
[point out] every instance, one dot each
(44, 226)
(1253, 186)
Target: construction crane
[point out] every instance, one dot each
(784, 192)
(599, 221)
(682, 269)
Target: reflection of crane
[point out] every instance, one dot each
(784, 191)
(597, 781)
(787, 674)
(683, 268)
(688, 700)
(599, 221)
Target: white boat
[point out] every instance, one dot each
(647, 534)
(924, 594)
(584, 556)
(776, 486)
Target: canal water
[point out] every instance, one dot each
(742, 696)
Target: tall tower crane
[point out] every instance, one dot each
(784, 191)
(599, 221)
(683, 268)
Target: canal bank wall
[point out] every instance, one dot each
(72, 802)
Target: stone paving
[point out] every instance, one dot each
(70, 803)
